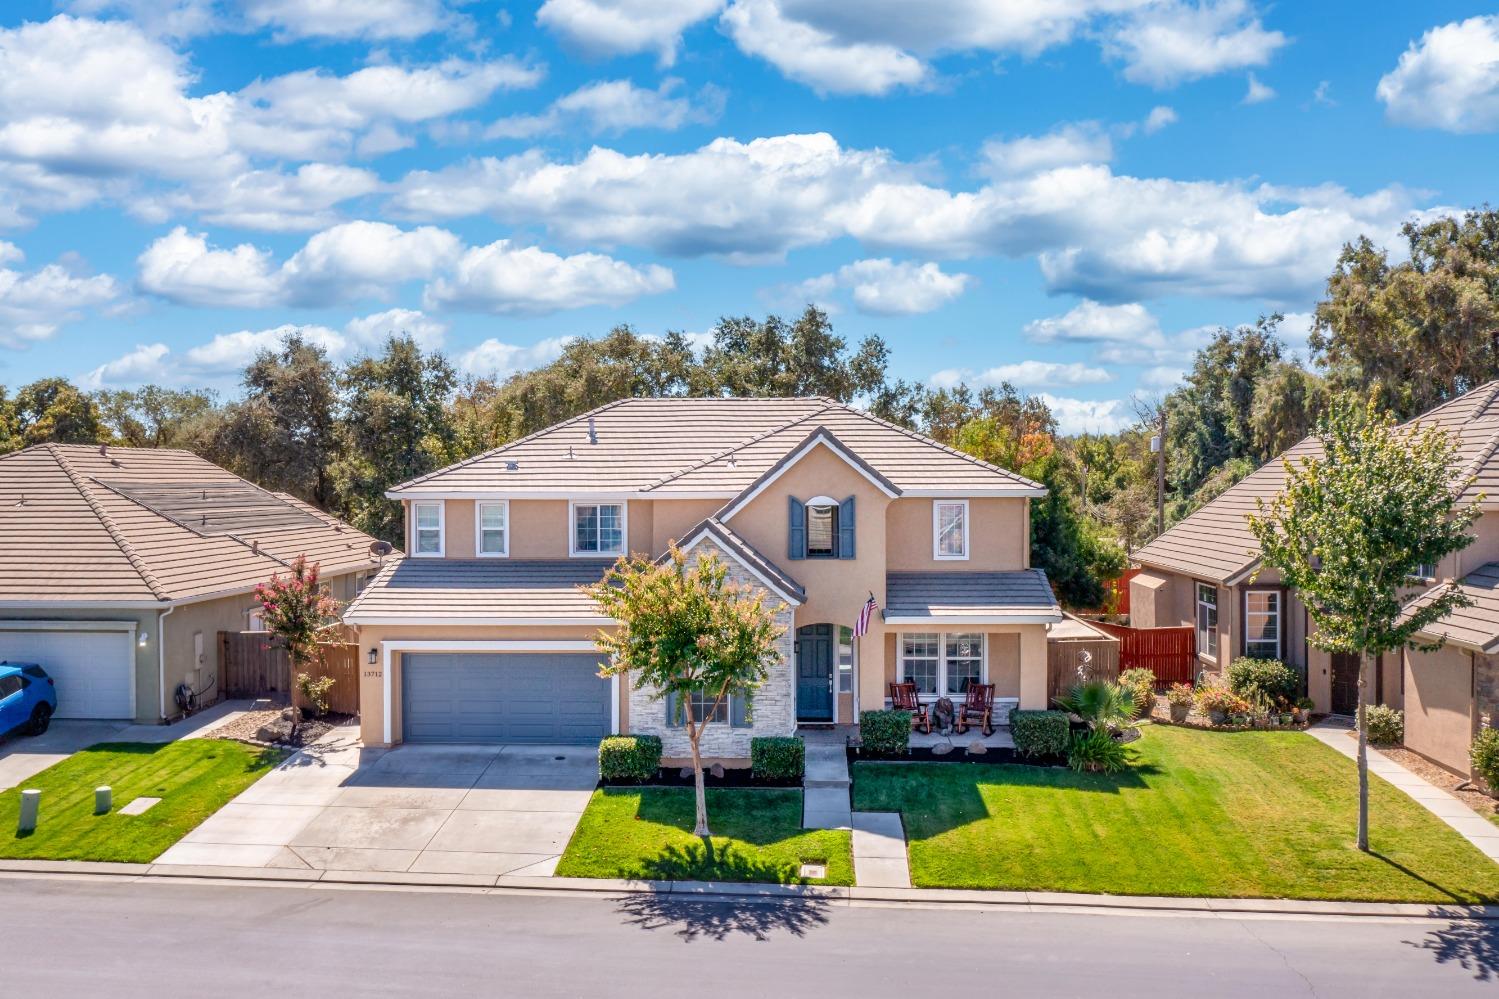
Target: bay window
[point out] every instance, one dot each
(598, 529)
(1262, 624)
(426, 519)
(942, 664)
(1207, 619)
(491, 531)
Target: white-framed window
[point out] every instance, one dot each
(255, 619)
(822, 529)
(426, 529)
(737, 709)
(1426, 572)
(598, 529)
(1262, 624)
(942, 664)
(492, 529)
(950, 529)
(845, 660)
(1207, 619)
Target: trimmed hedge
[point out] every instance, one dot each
(635, 758)
(778, 758)
(887, 733)
(1040, 733)
(1271, 677)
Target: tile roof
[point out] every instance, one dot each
(1214, 543)
(70, 532)
(748, 553)
(980, 596)
(1474, 627)
(704, 447)
(480, 591)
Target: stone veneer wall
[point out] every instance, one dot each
(775, 699)
(1486, 688)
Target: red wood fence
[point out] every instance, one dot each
(1169, 653)
(255, 667)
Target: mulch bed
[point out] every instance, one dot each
(1419, 765)
(243, 728)
(673, 777)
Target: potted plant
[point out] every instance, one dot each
(1304, 708)
(1179, 697)
(1218, 703)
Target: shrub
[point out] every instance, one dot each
(1306, 704)
(778, 758)
(1270, 677)
(1102, 705)
(887, 733)
(1215, 698)
(1485, 757)
(1097, 752)
(1039, 733)
(1181, 693)
(316, 691)
(1386, 725)
(633, 758)
(1141, 683)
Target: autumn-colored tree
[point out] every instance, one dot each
(300, 612)
(1349, 531)
(686, 632)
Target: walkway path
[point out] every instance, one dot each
(825, 788)
(1448, 807)
(880, 851)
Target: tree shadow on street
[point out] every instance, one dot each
(1474, 946)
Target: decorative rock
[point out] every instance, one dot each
(942, 749)
(977, 748)
(685, 773)
(717, 771)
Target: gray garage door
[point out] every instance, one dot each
(542, 697)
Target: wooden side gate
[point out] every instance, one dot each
(254, 666)
(1169, 653)
(1079, 660)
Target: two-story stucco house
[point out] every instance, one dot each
(481, 632)
(1206, 572)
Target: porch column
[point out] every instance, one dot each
(1033, 667)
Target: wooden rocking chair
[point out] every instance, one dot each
(903, 698)
(978, 706)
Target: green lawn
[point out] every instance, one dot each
(1228, 814)
(646, 833)
(192, 777)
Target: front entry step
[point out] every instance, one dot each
(825, 788)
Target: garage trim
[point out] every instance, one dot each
(125, 627)
(390, 646)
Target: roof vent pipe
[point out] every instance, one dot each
(593, 433)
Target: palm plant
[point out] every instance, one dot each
(1105, 707)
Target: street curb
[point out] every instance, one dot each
(924, 897)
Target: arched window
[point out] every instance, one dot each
(822, 527)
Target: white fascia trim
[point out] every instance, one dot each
(479, 551)
(577, 494)
(442, 530)
(36, 605)
(41, 625)
(482, 622)
(983, 491)
(937, 505)
(1242, 575)
(950, 621)
(770, 584)
(624, 526)
(818, 439)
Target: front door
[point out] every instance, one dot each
(814, 673)
(1344, 683)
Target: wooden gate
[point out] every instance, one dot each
(253, 666)
(1169, 653)
(1073, 661)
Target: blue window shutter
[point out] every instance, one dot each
(846, 528)
(796, 528)
(741, 711)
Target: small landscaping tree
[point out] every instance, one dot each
(686, 631)
(300, 612)
(1348, 533)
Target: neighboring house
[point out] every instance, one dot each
(1206, 572)
(482, 633)
(119, 566)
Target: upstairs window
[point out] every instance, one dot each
(598, 529)
(822, 531)
(950, 529)
(491, 532)
(820, 527)
(1207, 619)
(426, 521)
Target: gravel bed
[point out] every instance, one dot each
(1422, 767)
(243, 728)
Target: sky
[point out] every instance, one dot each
(1069, 196)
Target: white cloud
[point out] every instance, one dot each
(10, 253)
(1162, 377)
(1026, 374)
(818, 58)
(372, 331)
(229, 353)
(1089, 322)
(622, 27)
(166, 18)
(1257, 92)
(271, 200)
(367, 19)
(146, 363)
(1171, 41)
(614, 106)
(1084, 416)
(507, 279)
(34, 305)
(1160, 117)
(181, 267)
(496, 359)
(1066, 145)
(1447, 79)
(885, 287)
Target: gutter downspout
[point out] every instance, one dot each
(161, 659)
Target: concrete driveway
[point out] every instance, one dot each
(481, 811)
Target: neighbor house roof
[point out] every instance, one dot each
(1017, 597)
(1474, 627)
(1215, 543)
(480, 591)
(713, 448)
(88, 524)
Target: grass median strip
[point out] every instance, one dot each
(646, 833)
(193, 778)
(1223, 814)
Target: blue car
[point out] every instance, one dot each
(28, 698)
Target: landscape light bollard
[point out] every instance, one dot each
(31, 803)
(103, 800)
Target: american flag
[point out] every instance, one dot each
(861, 628)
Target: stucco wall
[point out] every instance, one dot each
(541, 528)
(1440, 719)
(1015, 657)
(997, 536)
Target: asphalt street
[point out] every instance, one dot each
(158, 938)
